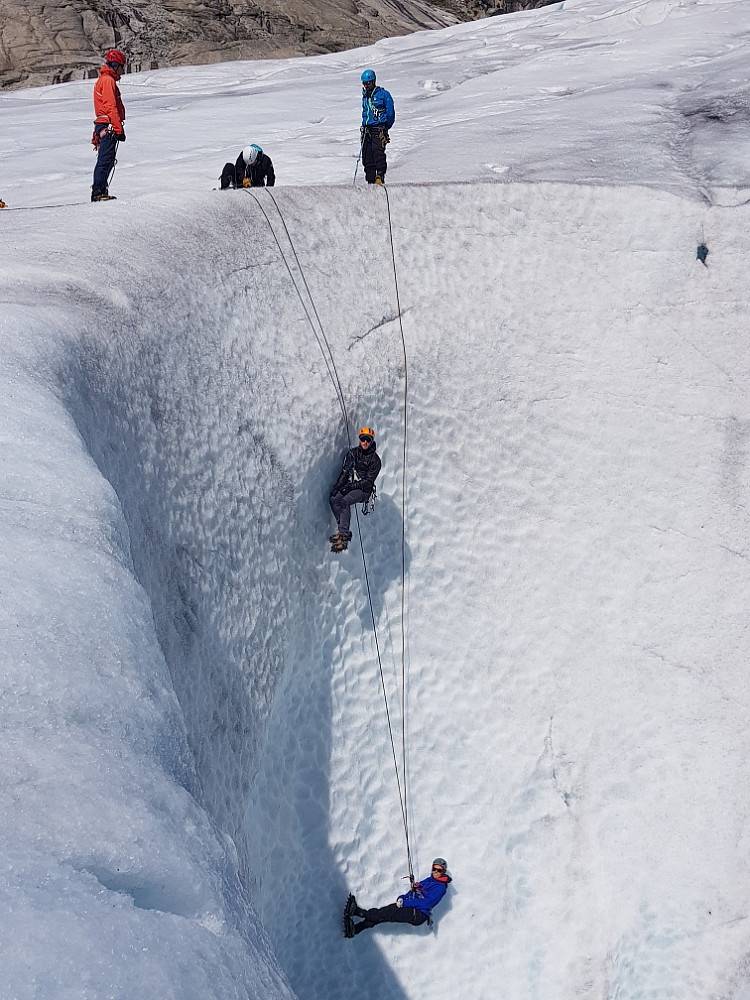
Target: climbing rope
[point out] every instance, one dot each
(403, 518)
(326, 351)
(325, 348)
(37, 208)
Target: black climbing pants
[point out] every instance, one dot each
(341, 505)
(373, 152)
(391, 914)
(227, 178)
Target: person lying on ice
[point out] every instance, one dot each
(415, 907)
(354, 485)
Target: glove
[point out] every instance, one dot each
(120, 136)
(416, 885)
(362, 132)
(400, 901)
(246, 182)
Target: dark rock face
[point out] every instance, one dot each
(53, 41)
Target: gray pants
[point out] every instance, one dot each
(341, 505)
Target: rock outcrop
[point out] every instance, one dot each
(52, 41)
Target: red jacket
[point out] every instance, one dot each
(108, 106)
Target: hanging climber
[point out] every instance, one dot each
(378, 115)
(414, 907)
(252, 169)
(354, 485)
(109, 130)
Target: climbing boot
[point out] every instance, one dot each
(341, 536)
(349, 908)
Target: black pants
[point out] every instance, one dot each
(341, 505)
(391, 914)
(373, 152)
(228, 178)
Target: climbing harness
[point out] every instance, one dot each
(325, 348)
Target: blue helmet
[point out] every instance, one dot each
(368, 76)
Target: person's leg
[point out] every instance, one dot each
(336, 504)
(227, 176)
(342, 510)
(368, 157)
(379, 142)
(104, 162)
(391, 914)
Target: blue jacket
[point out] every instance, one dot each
(426, 894)
(377, 109)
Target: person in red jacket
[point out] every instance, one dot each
(109, 127)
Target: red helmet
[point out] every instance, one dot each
(115, 56)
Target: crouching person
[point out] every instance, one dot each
(251, 169)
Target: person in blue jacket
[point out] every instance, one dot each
(378, 116)
(414, 907)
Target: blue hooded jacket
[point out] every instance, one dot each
(428, 894)
(377, 109)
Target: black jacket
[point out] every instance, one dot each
(260, 173)
(360, 468)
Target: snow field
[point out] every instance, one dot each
(566, 440)
(197, 764)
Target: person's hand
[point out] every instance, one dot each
(416, 885)
(246, 182)
(120, 136)
(400, 901)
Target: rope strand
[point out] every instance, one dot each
(403, 518)
(330, 363)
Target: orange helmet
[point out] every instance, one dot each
(368, 431)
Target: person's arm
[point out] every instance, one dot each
(239, 171)
(270, 175)
(390, 111)
(430, 894)
(109, 102)
(345, 474)
(368, 480)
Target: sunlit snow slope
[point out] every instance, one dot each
(196, 764)
(577, 578)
